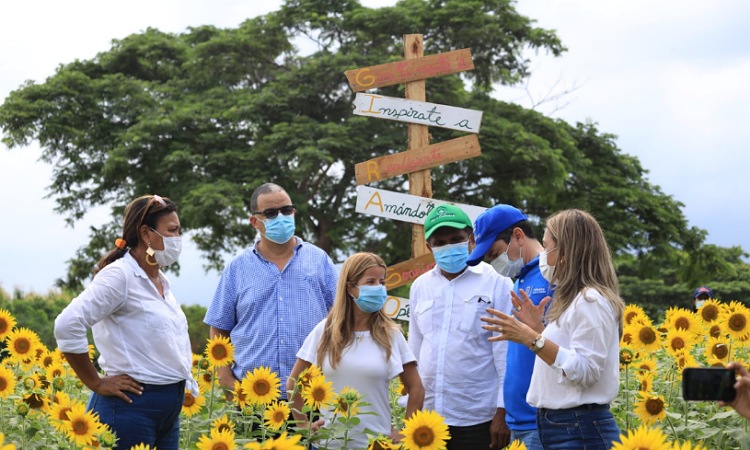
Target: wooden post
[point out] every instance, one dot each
(420, 183)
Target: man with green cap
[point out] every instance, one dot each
(461, 370)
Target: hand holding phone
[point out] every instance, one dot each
(709, 384)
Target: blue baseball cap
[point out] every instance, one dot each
(703, 290)
(488, 225)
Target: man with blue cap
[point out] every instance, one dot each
(506, 239)
(461, 370)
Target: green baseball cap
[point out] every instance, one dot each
(445, 216)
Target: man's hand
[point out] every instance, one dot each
(499, 432)
(117, 386)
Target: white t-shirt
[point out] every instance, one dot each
(364, 368)
(587, 368)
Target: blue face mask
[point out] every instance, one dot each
(452, 257)
(279, 229)
(371, 298)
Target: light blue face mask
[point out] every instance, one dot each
(279, 229)
(452, 257)
(371, 298)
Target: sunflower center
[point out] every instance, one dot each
(737, 322)
(678, 343)
(219, 352)
(720, 351)
(423, 436)
(3, 384)
(80, 427)
(710, 313)
(63, 414)
(224, 427)
(22, 346)
(319, 394)
(629, 317)
(682, 322)
(715, 331)
(4, 326)
(189, 400)
(219, 446)
(627, 338)
(644, 385)
(34, 400)
(261, 387)
(654, 406)
(647, 335)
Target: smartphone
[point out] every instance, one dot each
(708, 384)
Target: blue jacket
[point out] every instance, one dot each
(520, 416)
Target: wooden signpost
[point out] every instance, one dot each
(413, 68)
(418, 159)
(420, 156)
(403, 207)
(397, 308)
(423, 113)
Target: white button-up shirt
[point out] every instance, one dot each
(461, 371)
(587, 367)
(136, 331)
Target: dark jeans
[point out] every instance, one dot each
(588, 426)
(153, 418)
(472, 437)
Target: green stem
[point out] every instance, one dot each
(627, 399)
(211, 390)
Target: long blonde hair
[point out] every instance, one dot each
(583, 261)
(339, 329)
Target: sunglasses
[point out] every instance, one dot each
(271, 213)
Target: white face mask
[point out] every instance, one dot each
(171, 252)
(547, 271)
(699, 303)
(505, 267)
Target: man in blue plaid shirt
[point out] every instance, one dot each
(272, 295)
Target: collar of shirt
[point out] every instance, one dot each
(139, 272)
(297, 246)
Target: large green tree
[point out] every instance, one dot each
(206, 116)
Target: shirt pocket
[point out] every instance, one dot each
(159, 318)
(423, 313)
(473, 309)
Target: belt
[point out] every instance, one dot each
(586, 407)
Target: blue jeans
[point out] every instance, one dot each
(153, 418)
(530, 438)
(592, 427)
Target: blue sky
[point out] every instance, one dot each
(669, 78)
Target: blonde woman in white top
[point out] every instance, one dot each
(576, 374)
(139, 330)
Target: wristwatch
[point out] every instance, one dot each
(538, 344)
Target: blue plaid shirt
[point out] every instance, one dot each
(270, 313)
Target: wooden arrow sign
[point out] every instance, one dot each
(397, 308)
(410, 70)
(404, 207)
(422, 113)
(408, 271)
(418, 159)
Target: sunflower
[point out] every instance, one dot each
(49, 358)
(677, 340)
(58, 398)
(192, 405)
(398, 388)
(682, 319)
(646, 381)
(261, 386)
(4, 446)
(684, 359)
(223, 423)
(55, 370)
(627, 336)
(710, 310)
(239, 397)
(736, 320)
(82, 425)
(687, 445)
(651, 408)
(644, 336)
(713, 361)
(347, 403)
(142, 447)
(219, 440)
(318, 392)
(426, 430)
(718, 348)
(645, 364)
(7, 322)
(21, 344)
(283, 442)
(516, 445)
(196, 360)
(219, 351)
(643, 438)
(7, 382)
(635, 314)
(627, 355)
(275, 415)
(36, 401)
(59, 414)
(107, 438)
(381, 442)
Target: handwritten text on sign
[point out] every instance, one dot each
(422, 113)
(404, 207)
(409, 70)
(397, 308)
(408, 271)
(417, 159)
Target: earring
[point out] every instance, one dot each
(150, 252)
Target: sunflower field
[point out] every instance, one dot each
(42, 403)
